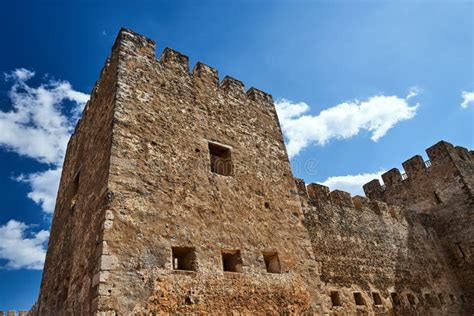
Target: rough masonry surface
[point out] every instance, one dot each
(177, 196)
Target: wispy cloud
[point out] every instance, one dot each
(44, 187)
(21, 249)
(20, 74)
(351, 183)
(38, 126)
(377, 114)
(413, 92)
(468, 99)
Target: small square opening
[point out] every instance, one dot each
(377, 299)
(232, 261)
(184, 258)
(437, 198)
(453, 298)
(421, 299)
(335, 299)
(272, 262)
(359, 300)
(428, 299)
(460, 250)
(395, 299)
(221, 159)
(411, 299)
(441, 299)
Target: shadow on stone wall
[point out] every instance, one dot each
(422, 274)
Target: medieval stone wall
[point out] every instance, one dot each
(166, 196)
(444, 189)
(426, 184)
(68, 285)
(367, 247)
(177, 197)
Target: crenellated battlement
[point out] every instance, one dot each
(129, 43)
(321, 195)
(232, 86)
(206, 73)
(443, 164)
(414, 166)
(259, 95)
(147, 221)
(175, 60)
(156, 130)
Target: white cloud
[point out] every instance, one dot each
(20, 74)
(377, 115)
(468, 99)
(44, 186)
(39, 126)
(351, 183)
(20, 249)
(413, 92)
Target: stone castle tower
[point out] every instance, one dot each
(177, 197)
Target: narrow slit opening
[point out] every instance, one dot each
(359, 300)
(335, 299)
(395, 299)
(377, 298)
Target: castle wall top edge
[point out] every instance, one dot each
(178, 60)
(322, 195)
(414, 166)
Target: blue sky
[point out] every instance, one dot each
(360, 87)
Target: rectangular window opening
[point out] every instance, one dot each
(453, 298)
(463, 299)
(184, 258)
(335, 299)
(75, 184)
(395, 299)
(411, 299)
(441, 298)
(359, 300)
(221, 159)
(460, 250)
(437, 198)
(272, 263)
(232, 261)
(420, 298)
(377, 298)
(428, 299)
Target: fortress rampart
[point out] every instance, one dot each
(443, 189)
(177, 197)
(426, 184)
(388, 257)
(167, 229)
